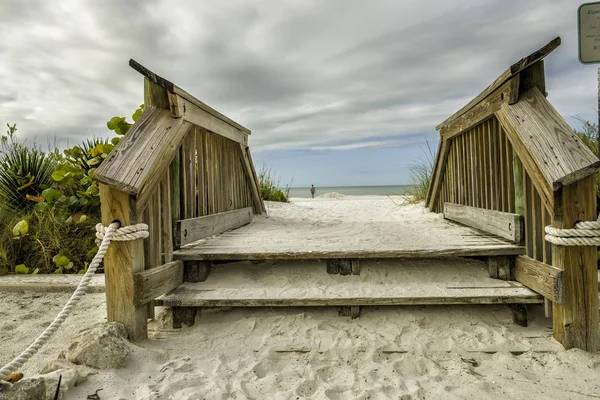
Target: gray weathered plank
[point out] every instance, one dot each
(506, 225)
(190, 230)
(137, 163)
(239, 253)
(155, 282)
(541, 277)
(189, 295)
(542, 137)
(506, 75)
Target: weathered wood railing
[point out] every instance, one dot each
(509, 151)
(186, 171)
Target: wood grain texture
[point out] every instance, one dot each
(546, 140)
(438, 173)
(541, 278)
(190, 230)
(252, 179)
(190, 295)
(506, 225)
(575, 323)
(198, 116)
(506, 75)
(121, 261)
(137, 163)
(155, 282)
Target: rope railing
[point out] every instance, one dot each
(105, 235)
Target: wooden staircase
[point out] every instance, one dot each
(388, 282)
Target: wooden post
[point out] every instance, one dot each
(122, 260)
(575, 323)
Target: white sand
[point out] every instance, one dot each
(294, 353)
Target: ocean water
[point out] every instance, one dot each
(353, 190)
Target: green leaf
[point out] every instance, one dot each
(72, 200)
(41, 207)
(21, 269)
(68, 266)
(58, 271)
(61, 261)
(115, 141)
(21, 228)
(137, 113)
(113, 124)
(51, 194)
(35, 271)
(58, 175)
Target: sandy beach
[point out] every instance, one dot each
(418, 352)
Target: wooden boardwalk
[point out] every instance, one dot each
(282, 237)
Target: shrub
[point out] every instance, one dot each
(49, 241)
(588, 133)
(24, 173)
(420, 175)
(269, 187)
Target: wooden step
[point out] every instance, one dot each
(279, 238)
(407, 282)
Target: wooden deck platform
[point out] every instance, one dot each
(389, 282)
(282, 237)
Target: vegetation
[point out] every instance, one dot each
(588, 133)
(420, 175)
(49, 203)
(269, 186)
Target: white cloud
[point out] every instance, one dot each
(300, 74)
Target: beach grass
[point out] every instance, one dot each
(420, 175)
(270, 189)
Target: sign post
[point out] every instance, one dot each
(588, 27)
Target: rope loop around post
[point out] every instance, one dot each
(584, 233)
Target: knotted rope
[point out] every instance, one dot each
(126, 233)
(585, 233)
(108, 234)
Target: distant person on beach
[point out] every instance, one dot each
(312, 191)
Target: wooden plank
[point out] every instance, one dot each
(510, 184)
(189, 174)
(121, 261)
(541, 278)
(252, 179)
(190, 230)
(155, 282)
(517, 178)
(197, 116)
(162, 82)
(493, 166)
(201, 173)
(167, 221)
(235, 254)
(505, 76)
(533, 76)
(513, 92)
(538, 228)
(137, 163)
(543, 139)
(506, 225)
(429, 201)
(175, 186)
(190, 295)
(575, 323)
(155, 95)
(502, 170)
(528, 215)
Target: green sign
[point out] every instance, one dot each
(588, 23)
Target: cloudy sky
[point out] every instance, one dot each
(336, 92)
